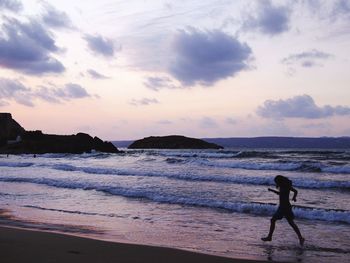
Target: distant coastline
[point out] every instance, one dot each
(273, 142)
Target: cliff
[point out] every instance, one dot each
(172, 142)
(9, 128)
(16, 140)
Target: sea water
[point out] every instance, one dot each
(210, 201)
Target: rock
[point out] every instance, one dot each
(9, 128)
(36, 142)
(172, 142)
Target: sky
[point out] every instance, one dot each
(125, 70)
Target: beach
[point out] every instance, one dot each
(212, 202)
(18, 245)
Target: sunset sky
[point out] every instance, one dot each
(204, 68)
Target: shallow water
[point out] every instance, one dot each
(209, 201)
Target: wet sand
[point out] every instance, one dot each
(18, 245)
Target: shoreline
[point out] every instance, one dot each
(24, 245)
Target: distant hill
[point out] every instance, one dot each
(284, 142)
(172, 142)
(271, 142)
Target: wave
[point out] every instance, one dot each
(55, 155)
(306, 166)
(307, 183)
(340, 169)
(218, 154)
(247, 154)
(74, 211)
(96, 155)
(17, 164)
(175, 160)
(221, 154)
(254, 180)
(250, 165)
(331, 215)
(257, 154)
(337, 155)
(195, 154)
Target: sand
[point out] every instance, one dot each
(18, 245)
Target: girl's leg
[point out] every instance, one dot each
(272, 228)
(296, 229)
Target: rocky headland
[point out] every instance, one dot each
(172, 142)
(14, 139)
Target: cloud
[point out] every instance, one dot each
(4, 103)
(333, 16)
(231, 121)
(316, 126)
(74, 91)
(100, 45)
(311, 58)
(143, 102)
(207, 122)
(27, 47)
(94, 74)
(56, 95)
(164, 122)
(329, 10)
(270, 19)
(341, 7)
(55, 18)
(158, 83)
(302, 106)
(205, 57)
(12, 5)
(15, 90)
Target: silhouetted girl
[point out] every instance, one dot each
(284, 208)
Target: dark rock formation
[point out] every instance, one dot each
(172, 142)
(9, 128)
(36, 142)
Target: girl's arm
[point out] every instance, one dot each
(274, 191)
(294, 198)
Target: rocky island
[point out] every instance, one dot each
(172, 142)
(14, 139)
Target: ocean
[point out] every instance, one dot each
(209, 201)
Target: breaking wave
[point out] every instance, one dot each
(17, 164)
(331, 215)
(277, 166)
(237, 179)
(194, 176)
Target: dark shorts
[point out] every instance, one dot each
(283, 212)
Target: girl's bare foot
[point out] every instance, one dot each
(266, 238)
(301, 241)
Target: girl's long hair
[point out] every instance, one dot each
(283, 182)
